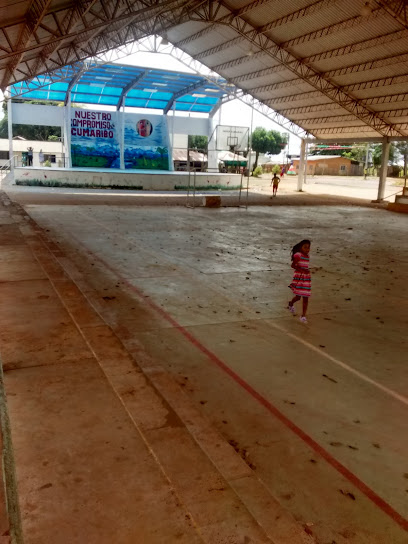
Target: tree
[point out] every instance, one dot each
(402, 149)
(358, 153)
(322, 151)
(377, 153)
(198, 142)
(263, 141)
(30, 132)
(4, 122)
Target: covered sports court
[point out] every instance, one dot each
(157, 388)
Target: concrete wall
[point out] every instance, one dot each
(196, 126)
(154, 181)
(35, 114)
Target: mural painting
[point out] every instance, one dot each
(94, 139)
(146, 142)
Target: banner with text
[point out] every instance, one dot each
(146, 142)
(94, 139)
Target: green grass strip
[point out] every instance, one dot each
(54, 183)
(207, 188)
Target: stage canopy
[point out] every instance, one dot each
(131, 86)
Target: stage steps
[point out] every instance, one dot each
(401, 202)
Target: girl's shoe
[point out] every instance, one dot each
(303, 319)
(291, 309)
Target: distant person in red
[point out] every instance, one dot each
(144, 128)
(282, 172)
(275, 181)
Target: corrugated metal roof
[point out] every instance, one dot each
(332, 50)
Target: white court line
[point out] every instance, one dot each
(364, 377)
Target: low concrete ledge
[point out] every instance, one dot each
(141, 179)
(212, 201)
(397, 207)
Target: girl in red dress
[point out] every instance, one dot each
(301, 283)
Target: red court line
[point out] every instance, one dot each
(350, 476)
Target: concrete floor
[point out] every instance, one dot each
(238, 423)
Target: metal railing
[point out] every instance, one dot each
(6, 168)
(196, 159)
(191, 174)
(394, 194)
(244, 188)
(52, 160)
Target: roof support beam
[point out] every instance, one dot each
(351, 140)
(349, 129)
(365, 66)
(214, 8)
(327, 120)
(129, 87)
(33, 18)
(333, 29)
(68, 24)
(397, 9)
(183, 92)
(352, 87)
(72, 83)
(387, 99)
(359, 46)
(258, 73)
(242, 60)
(292, 98)
(371, 84)
(308, 10)
(103, 36)
(377, 83)
(291, 112)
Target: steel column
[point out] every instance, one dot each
(68, 112)
(10, 132)
(301, 174)
(383, 171)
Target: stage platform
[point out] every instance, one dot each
(153, 180)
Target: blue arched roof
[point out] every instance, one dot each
(133, 86)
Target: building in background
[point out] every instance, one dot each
(52, 152)
(331, 165)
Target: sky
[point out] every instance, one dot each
(234, 113)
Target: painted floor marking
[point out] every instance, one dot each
(332, 461)
(361, 375)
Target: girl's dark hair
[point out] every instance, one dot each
(298, 247)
